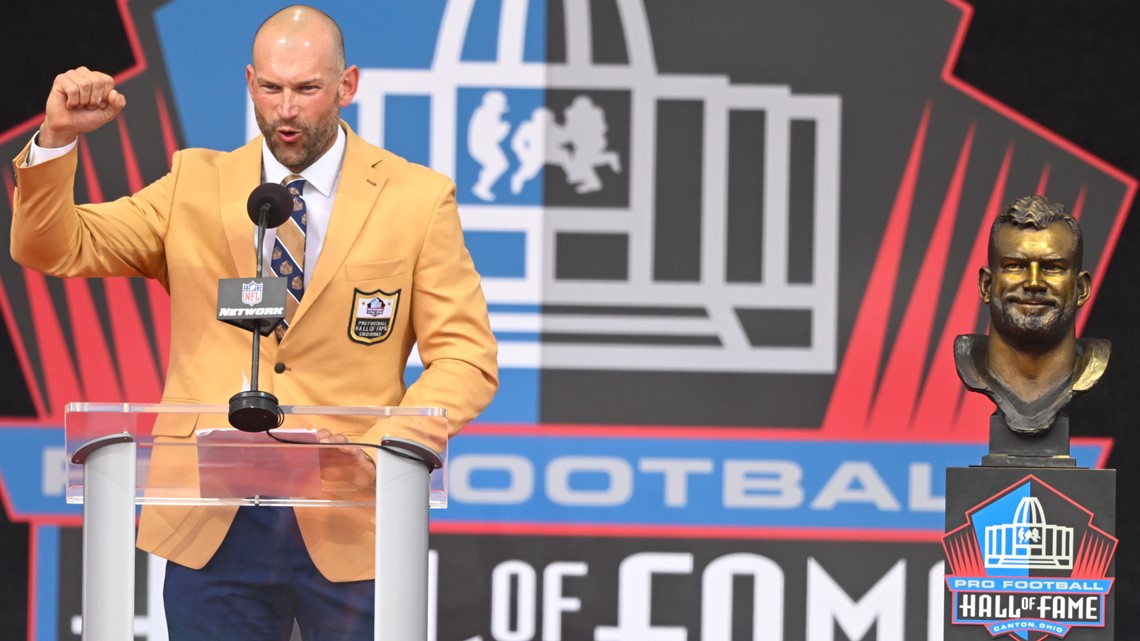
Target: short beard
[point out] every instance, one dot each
(1033, 333)
(316, 138)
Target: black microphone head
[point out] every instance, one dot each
(273, 198)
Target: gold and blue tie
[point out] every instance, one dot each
(288, 259)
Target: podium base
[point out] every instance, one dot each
(254, 411)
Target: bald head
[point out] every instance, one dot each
(298, 83)
(302, 27)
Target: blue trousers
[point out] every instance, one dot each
(260, 580)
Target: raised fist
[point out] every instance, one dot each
(80, 101)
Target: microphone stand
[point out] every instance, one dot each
(254, 410)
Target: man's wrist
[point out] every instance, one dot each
(39, 153)
(48, 139)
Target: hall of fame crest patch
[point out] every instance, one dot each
(373, 316)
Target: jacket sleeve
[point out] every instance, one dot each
(53, 235)
(451, 325)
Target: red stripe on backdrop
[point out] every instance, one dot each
(972, 421)
(1043, 180)
(59, 372)
(97, 372)
(33, 574)
(137, 366)
(169, 140)
(87, 164)
(855, 384)
(132, 38)
(158, 298)
(160, 315)
(898, 391)
(138, 369)
(1079, 204)
(972, 418)
(942, 391)
(9, 319)
(130, 159)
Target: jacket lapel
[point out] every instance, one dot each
(357, 190)
(237, 176)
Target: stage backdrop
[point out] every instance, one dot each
(726, 248)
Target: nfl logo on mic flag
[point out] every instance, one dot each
(251, 293)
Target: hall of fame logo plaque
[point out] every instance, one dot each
(1029, 564)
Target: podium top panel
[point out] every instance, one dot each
(198, 408)
(187, 454)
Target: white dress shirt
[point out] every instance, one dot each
(321, 179)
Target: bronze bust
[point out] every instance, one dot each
(1032, 363)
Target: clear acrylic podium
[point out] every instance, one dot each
(112, 449)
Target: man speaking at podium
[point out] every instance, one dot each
(374, 224)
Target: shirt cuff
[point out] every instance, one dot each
(38, 154)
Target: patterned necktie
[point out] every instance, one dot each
(289, 252)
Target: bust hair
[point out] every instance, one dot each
(1038, 212)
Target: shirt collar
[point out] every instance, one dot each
(320, 175)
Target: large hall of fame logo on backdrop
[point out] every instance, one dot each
(602, 202)
(555, 169)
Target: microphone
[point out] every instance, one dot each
(257, 305)
(271, 201)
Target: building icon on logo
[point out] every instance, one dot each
(624, 218)
(1029, 542)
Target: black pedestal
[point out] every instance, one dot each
(1046, 449)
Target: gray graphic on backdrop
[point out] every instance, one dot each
(577, 147)
(645, 285)
(536, 143)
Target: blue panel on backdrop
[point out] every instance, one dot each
(515, 402)
(396, 34)
(490, 165)
(33, 466)
(498, 254)
(207, 71)
(407, 127)
(535, 48)
(46, 598)
(481, 43)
